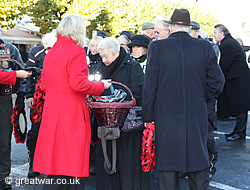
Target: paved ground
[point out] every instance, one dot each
(233, 166)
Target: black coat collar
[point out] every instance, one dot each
(126, 61)
(179, 34)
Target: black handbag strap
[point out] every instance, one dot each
(107, 164)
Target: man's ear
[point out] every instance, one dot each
(170, 29)
(117, 52)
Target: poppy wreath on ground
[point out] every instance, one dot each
(38, 102)
(148, 148)
(19, 135)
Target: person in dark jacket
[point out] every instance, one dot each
(35, 59)
(212, 152)
(8, 50)
(94, 63)
(161, 29)
(139, 45)
(235, 97)
(119, 66)
(181, 74)
(94, 58)
(124, 39)
(147, 29)
(102, 34)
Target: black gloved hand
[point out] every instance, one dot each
(35, 70)
(20, 102)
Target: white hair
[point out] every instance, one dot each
(164, 23)
(95, 38)
(180, 28)
(203, 34)
(73, 26)
(49, 39)
(110, 44)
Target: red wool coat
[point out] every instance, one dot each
(8, 77)
(63, 143)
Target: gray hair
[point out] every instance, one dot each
(49, 39)
(181, 28)
(164, 23)
(110, 44)
(73, 26)
(222, 28)
(97, 38)
(125, 37)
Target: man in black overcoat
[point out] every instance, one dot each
(181, 74)
(234, 99)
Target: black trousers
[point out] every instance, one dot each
(241, 124)
(169, 180)
(32, 138)
(6, 130)
(60, 182)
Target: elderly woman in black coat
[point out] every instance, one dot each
(139, 45)
(119, 66)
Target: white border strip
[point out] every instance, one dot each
(222, 186)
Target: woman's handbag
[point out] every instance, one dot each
(133, 121)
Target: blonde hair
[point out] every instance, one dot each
(72, 26)
(95, 38)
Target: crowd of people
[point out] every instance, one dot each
(175, 73)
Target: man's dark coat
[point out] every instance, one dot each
(182, 72)
(235, 97)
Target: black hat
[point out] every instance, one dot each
(126, 33)
(195, 25)
(140, 41)
(102, 34)
(180, 16)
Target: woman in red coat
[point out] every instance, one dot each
(63, 145)
(9, 77)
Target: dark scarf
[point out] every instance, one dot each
(94, 58)
(141, 59)
(108, 71)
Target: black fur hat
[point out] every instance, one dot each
(140, 41)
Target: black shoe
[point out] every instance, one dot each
(4, 185)
(229, 134)
(235, 137)
(31, 173)
(212, 171)
(210, 176)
